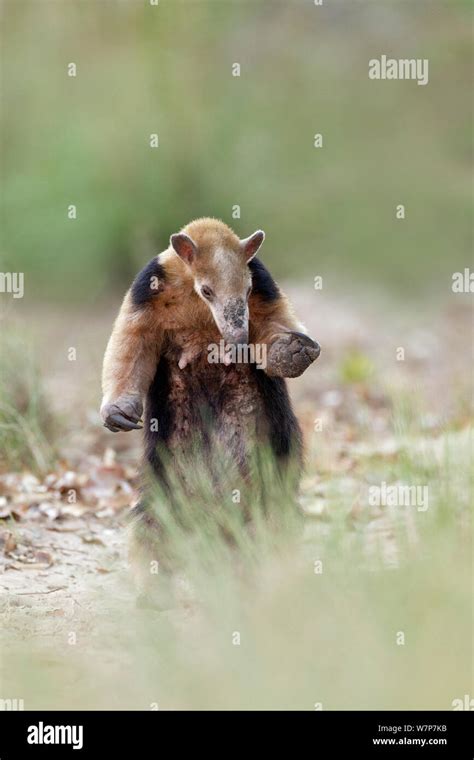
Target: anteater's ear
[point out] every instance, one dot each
(184, 246)
(251, 244)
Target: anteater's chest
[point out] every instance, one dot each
(207, 397)
(210, 406)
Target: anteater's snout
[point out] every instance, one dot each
(236, 321)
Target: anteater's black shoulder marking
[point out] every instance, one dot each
(148, 283)
(285, 433)
(263, 283)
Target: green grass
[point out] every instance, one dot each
(306, 637)
(27, 427)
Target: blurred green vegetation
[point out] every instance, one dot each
(27, 425)
(227, 140)
(356, 367)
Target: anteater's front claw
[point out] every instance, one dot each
(119, 422)
(291, 354)
(122, 414)
(305, 340)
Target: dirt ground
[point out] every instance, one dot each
(63, 557)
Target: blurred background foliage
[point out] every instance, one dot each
(227, 140)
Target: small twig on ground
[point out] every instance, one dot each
(32, 593)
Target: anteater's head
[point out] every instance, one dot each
(218, 261)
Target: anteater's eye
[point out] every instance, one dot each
(207, 292)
